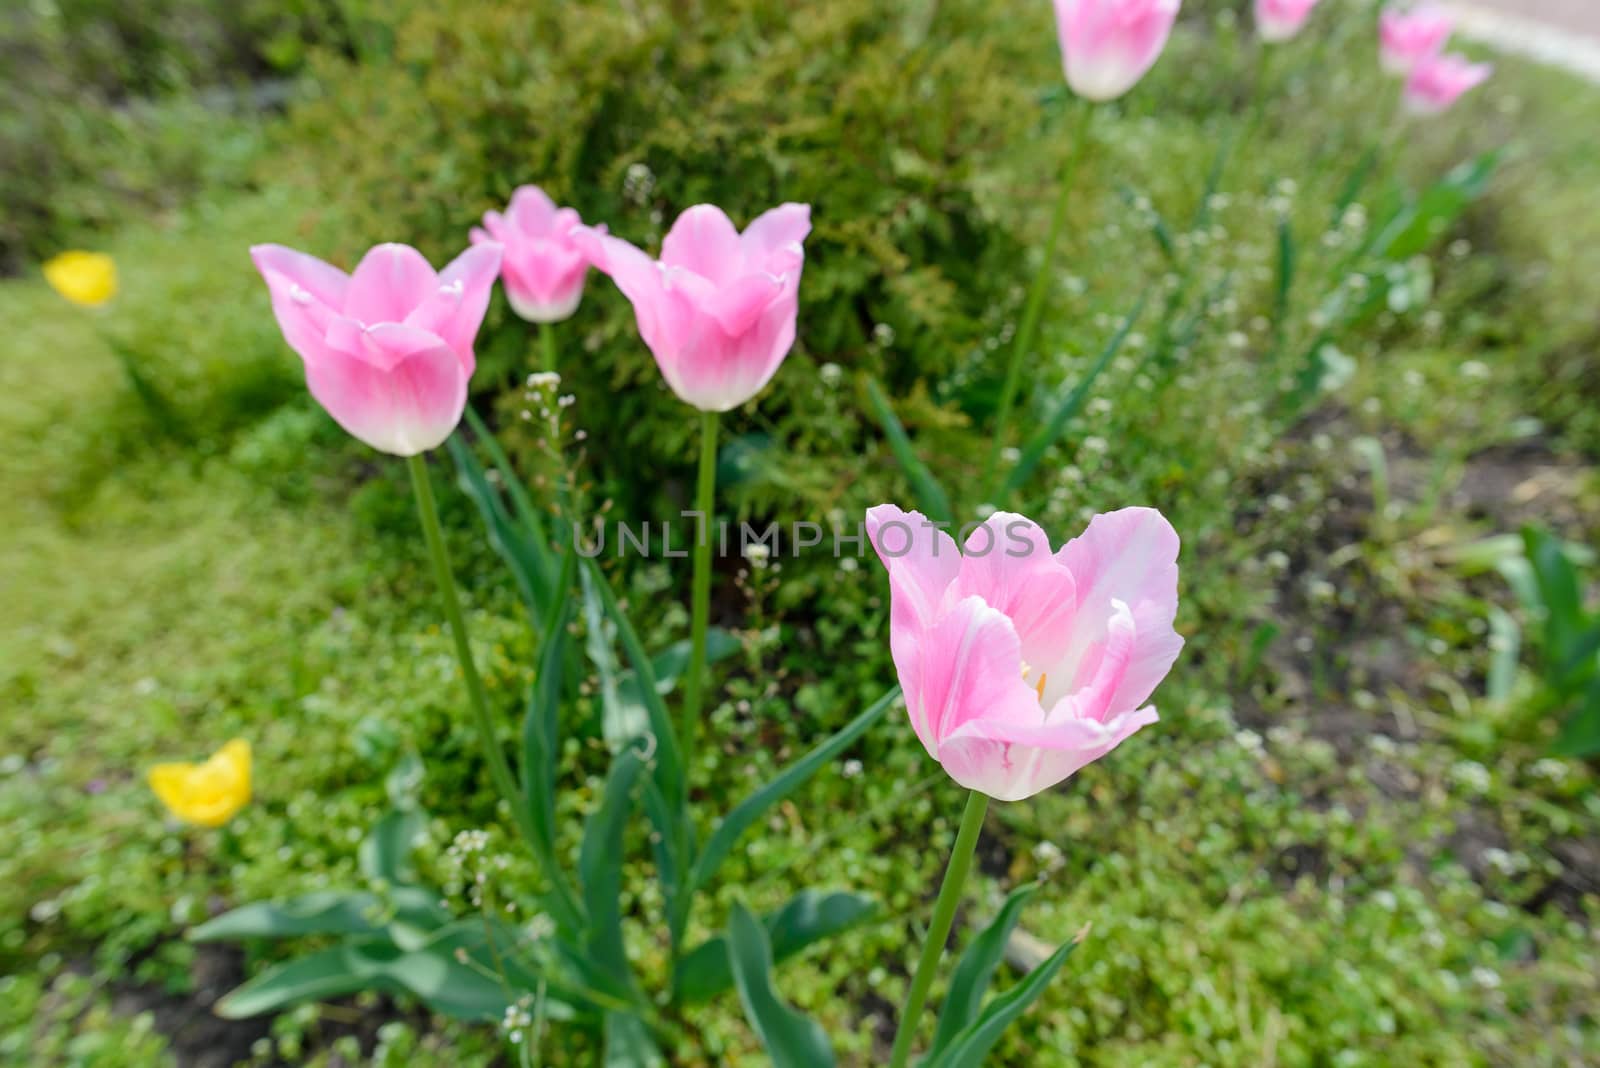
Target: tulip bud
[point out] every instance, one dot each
(1108, 45)
(543, 269)
(1279, 20)
(1406, 38)
(1437, 82)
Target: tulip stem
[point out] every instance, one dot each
(499, 769)
(547, 340)
(1041, 285)
(944, 914)
(700, 602)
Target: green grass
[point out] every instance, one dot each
(1333, 849)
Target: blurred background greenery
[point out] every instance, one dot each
(1348, 843)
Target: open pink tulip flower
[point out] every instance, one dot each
(1437, 82)
(718, 309)
(543, 269)
(1279, 20)
(1108, 45)
(1021, 665)
(1406, 38)
(388, 349)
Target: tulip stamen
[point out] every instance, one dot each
(1027, 669)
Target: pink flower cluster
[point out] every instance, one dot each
(388, 350)
(1411, 44)
(1020, 664)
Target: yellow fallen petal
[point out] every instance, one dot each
(208, 794)
(86, 278)
(170, 782)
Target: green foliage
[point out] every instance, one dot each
(792, 1040)
(969, 1047)
(116, 110)
(632, 113)
(1570, 649)
(808, 917)
(974, 971)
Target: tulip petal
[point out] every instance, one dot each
(1008, 562)
(967, 665)
(639, 278)
(322, 280)
(1131, 556)
(455, 308)
(922, 560)
(705, 241)
(169, 782)
(306, 294)
(388, 284)
(782, 227)
(531, 211)
(408, 409)
(738, 305)
(235, 756)
(1009, 763)
(382, 346)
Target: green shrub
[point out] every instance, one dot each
(103, 119)
(634, 112)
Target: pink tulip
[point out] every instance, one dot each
(1108, 45)
(388, 349)
(718, 310)
(1438, 82)
(1020, 665)
(1279, 20)
(1406, 38)
(543, 269)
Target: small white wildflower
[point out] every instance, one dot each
(830, 373)
(1549, 768)
(851, 769)
(1487, 978)
(544, 380)
(1472, 776)
(1499, 860)
(1249, 741)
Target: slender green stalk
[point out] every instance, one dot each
(499, 769)
(944, 913)
(700, 602)
(1041, 285)
(547, 341)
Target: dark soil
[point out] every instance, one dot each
(198, 1038)
(1366, 638)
